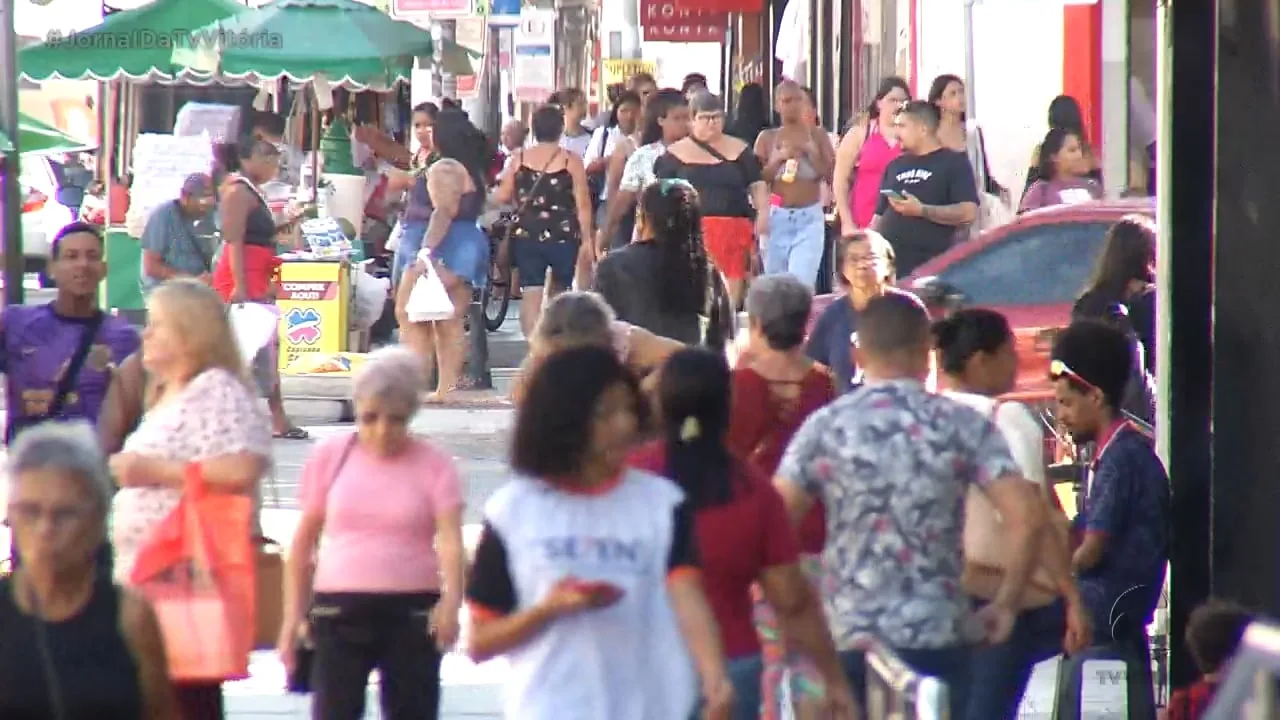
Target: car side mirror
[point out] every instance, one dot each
(939, 295)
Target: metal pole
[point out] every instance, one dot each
(970, 96)
(11, 236)
(970, 93)
(478, 351)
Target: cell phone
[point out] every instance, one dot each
(893, 194)
(601, 593)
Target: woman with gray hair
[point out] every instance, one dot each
(75, 645)
(376, 564)
(775, 388)
(577, 319)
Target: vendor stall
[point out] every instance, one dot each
(98, 54)
(327, 44)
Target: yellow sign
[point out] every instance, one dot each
(618, 72)
(314, 300)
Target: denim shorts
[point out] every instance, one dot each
(412, 233)
(464, 251)
(532, 258)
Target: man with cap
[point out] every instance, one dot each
(175, 242)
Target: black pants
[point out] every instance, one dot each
(355, 633)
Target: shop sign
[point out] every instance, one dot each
(722, 6)
(535, 58)
(408, 9)
(677, 21)
(618, 71)
(471, 35)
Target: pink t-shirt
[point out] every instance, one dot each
(379, 515)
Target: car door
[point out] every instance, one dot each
(1033, 276)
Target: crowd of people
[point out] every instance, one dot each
(698, 523)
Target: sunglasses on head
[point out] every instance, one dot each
(1059, 370)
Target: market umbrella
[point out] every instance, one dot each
(37, 138)
(346, 42)
(135, 44)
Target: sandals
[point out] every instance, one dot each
(293, 433)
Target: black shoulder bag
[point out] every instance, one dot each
(66, 385)
(298, 682)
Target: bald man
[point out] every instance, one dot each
(513, 136)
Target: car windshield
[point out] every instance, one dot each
(1041, 265)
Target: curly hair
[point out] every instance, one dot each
(671, 212)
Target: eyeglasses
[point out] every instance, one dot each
(60, 516)
(867, 260)
(1059, 370)
(709, 117)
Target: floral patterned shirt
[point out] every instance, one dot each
(638, 172)
(215, 414)
(892, 463)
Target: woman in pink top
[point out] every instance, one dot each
(864, 153)
(382, 516)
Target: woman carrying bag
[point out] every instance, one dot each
(382, 518)
(203, 442)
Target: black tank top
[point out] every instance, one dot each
(259, 226)
(97, 677)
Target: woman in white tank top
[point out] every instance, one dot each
(977, 362)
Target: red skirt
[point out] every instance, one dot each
(728, 241)
(261, 271)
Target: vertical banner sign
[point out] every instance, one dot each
(471, 35)
(676, 21)
(535, 57)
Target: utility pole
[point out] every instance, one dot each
(11, 235)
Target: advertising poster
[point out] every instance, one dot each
(313, 299)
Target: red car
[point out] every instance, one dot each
(1031, 270)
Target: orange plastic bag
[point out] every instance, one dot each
(198, 572)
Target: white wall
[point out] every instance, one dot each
(675, 60)
(1018, 63)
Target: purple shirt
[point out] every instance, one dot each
(36, 345)
(1063, 191)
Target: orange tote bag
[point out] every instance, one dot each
(198, 572)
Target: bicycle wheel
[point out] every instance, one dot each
(496, 298)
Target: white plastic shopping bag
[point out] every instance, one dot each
(428, 300)
(393, 241)
(371, 295)
(255, 326)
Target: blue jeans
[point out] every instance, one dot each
(744, 673)
(950, 665)
(796, 237)
(1000, 672)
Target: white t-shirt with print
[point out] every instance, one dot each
(627, 661)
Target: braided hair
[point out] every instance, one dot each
(671, 213)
